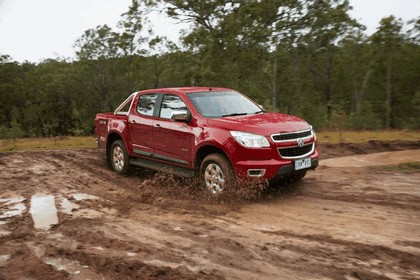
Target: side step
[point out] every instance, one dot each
(175, 170)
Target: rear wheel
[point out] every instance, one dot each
(216, 174)
(119, 157)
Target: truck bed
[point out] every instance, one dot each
(103, 121)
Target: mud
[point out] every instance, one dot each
(357, 221)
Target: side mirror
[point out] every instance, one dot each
(182, 117)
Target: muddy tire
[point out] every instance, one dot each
(216, 174)
(119, 157)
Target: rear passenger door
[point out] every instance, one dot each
(172, 140)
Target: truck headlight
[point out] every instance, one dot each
(313, 131)
(250, 140)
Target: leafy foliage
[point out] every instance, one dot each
(307, 58)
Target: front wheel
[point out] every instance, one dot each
(119, 157)
(216, 174)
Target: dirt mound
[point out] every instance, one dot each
(348, 149)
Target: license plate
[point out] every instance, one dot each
(302, 163)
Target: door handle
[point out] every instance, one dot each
(157, 125)
(133, 121)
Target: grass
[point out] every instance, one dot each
(53, 143)
(405, 168)
(58, 143)
(365, 136)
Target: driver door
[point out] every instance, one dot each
(172, 139)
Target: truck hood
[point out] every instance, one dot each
(261, 124)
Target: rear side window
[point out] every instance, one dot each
(171, 105)
(146, 104)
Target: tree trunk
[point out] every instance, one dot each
(328, 84)
(388, 96)
(359, 95)
(274, 85)
(293, 88)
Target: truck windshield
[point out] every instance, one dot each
(213, 104)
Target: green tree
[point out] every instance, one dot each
(387, 42)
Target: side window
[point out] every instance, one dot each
(146, 104)
(172, 104)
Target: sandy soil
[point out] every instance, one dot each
(65, 215)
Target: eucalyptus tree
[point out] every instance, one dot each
(237, 40)
(397, 57)
(328, 24)
(387, 42)
(96, 50)
(11, 87)
(131, 42)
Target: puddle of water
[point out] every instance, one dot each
(67, 206)
(170, 264)
(43, 211)
(7, 201)
(15, 207)
(73, 267)
(4, 233)
(15, 210)
(3, 260)
(99, 248)
(4, 257)
(84, 196)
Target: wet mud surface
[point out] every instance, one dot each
(65, 215)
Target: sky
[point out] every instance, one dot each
(34, 30)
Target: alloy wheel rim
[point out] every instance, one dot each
(214, 178)
(118, 158)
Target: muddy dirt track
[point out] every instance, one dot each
(65, 215)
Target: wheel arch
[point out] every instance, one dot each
(204, 151)
(112, 137)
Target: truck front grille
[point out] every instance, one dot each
(296, 152)
(291, 136)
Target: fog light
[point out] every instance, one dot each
(256, 172)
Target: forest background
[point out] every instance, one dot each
(306, 58)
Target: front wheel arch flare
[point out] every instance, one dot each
(204, 151)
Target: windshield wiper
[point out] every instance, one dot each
(234, 114)
(261, 111)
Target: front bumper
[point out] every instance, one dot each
(271, 169)
(286, 170)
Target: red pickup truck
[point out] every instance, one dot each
(217, 135)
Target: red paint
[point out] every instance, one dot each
(180, 141)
